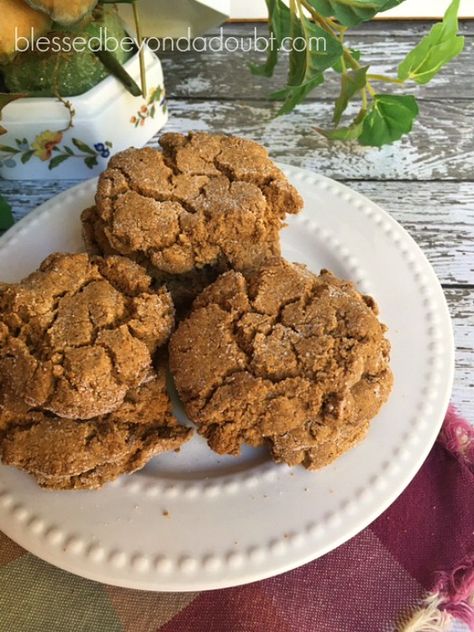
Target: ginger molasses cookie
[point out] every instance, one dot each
(203, 204)
(73, 454)
(79, 333)
(283, 357)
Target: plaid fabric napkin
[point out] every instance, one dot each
(412, 570)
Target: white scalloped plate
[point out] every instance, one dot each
(197, 521)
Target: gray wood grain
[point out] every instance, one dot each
(438, 215)
(394, 28)
(461, 305)
(441, 145)
(226, 75)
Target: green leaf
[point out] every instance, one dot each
(6, 216)
(352, 132)
(91, 161)
(351, 83)
(435, 50)
(155, 95)
(320, 53)
(352, 12)
(83, 146)
(68, 150)
(26, 156)
(56, 161)
(6, 149)
(307, 62)
(292, 95)
(390, 117)
(338, 65)
(117, 70)
(298, 59)
(279, 27)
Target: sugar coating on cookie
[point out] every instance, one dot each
(204, 200)
(73, 454)
(283, 357)
(79, 333)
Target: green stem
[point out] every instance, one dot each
(354, 64)
(370, 89)
(385, 79)
(343, 66)
(330, 26)
(64, 153)
(334, 25)
(299, 7)
(142, 49)
(326, 23)
(350, 60)
(364, 99)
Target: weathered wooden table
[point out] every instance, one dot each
(426, 181)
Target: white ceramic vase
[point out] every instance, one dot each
(107, 119)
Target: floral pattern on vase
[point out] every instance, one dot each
(157, 99)
(48, 147)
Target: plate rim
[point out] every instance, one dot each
(99, 573)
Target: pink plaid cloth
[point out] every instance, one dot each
(422, 546)
(424, 543)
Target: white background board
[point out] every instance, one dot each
(256, 9)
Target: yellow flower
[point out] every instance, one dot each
(44, 144)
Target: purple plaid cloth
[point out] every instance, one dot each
(424, 543)
(412, 570)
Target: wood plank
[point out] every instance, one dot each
(393, 28)
(408, 10)
(441, 145)
(226, 74)
(461, 305)
(438, 215)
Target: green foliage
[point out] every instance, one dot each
(352, 83)
(352, 12)
(351, 132)
(306, 67)
(322, 25)
(390, 117)
(279, 30)
(435, 50)
(6, 215)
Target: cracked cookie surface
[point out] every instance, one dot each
(77, 334)
(71, 454)
(282, 357)
(204, 203)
